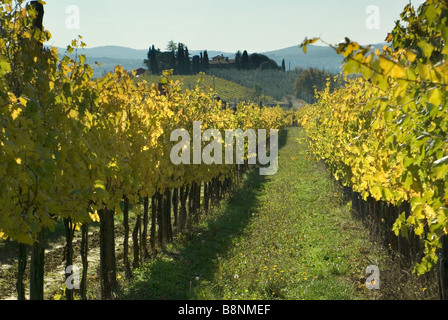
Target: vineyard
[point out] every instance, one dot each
(79, 150)
(90, 159)
(384, 135)
(227, 91)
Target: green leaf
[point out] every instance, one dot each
(435, 97)
(387, 194)
(163, 80)
(440, 168)
(400, 226)
(376, 192)
(426, 48)
(99, 185)
(4, 66)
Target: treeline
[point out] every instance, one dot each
(177, 58)
(256, 61)
(311, 80)
(255, 71)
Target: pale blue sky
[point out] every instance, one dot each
(227, 25)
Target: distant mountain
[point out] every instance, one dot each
(317, 56)
(115, 52)
(321, 57)
(109, 57)
(130, 59)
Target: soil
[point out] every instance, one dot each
(55, 263)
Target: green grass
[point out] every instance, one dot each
(226, 90)
(301, 242)
(289, 236)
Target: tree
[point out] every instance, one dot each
(148, 59)
(310, 80)
(201, 61)
(206, 61)
(196, 64)
(167, 60)
(173, 59)
(283, 65)
(180, 68)
(171, 46)
(265, 66)
(238, 56)
(261, 61)
(245, 61)
(153, 62)
(258, 89)
(187, 66)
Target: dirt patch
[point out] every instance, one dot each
(54, 280)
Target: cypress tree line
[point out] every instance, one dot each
(177, 57)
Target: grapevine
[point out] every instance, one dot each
(384, 134)
(80, 149)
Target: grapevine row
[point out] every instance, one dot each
(384, 132)
(78, 149)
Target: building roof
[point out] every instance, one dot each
(221, 60)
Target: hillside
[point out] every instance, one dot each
(227, 90)
(277, 84)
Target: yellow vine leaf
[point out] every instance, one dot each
(94, 216)
(391, 68)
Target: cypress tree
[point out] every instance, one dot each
(196, 64)
(283, 65)
(187, 67)
(245, 61)
(206, 61)
(202, 61)
(173, 60)
(153, 62)
(238, 57)
(148, 59)
(180, 59)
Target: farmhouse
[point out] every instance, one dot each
(139, 71)
(221, 62)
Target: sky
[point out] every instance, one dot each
(224, 25)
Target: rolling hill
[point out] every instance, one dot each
(321, 57)
(227, 90)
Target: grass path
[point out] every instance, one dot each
(286, 236)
